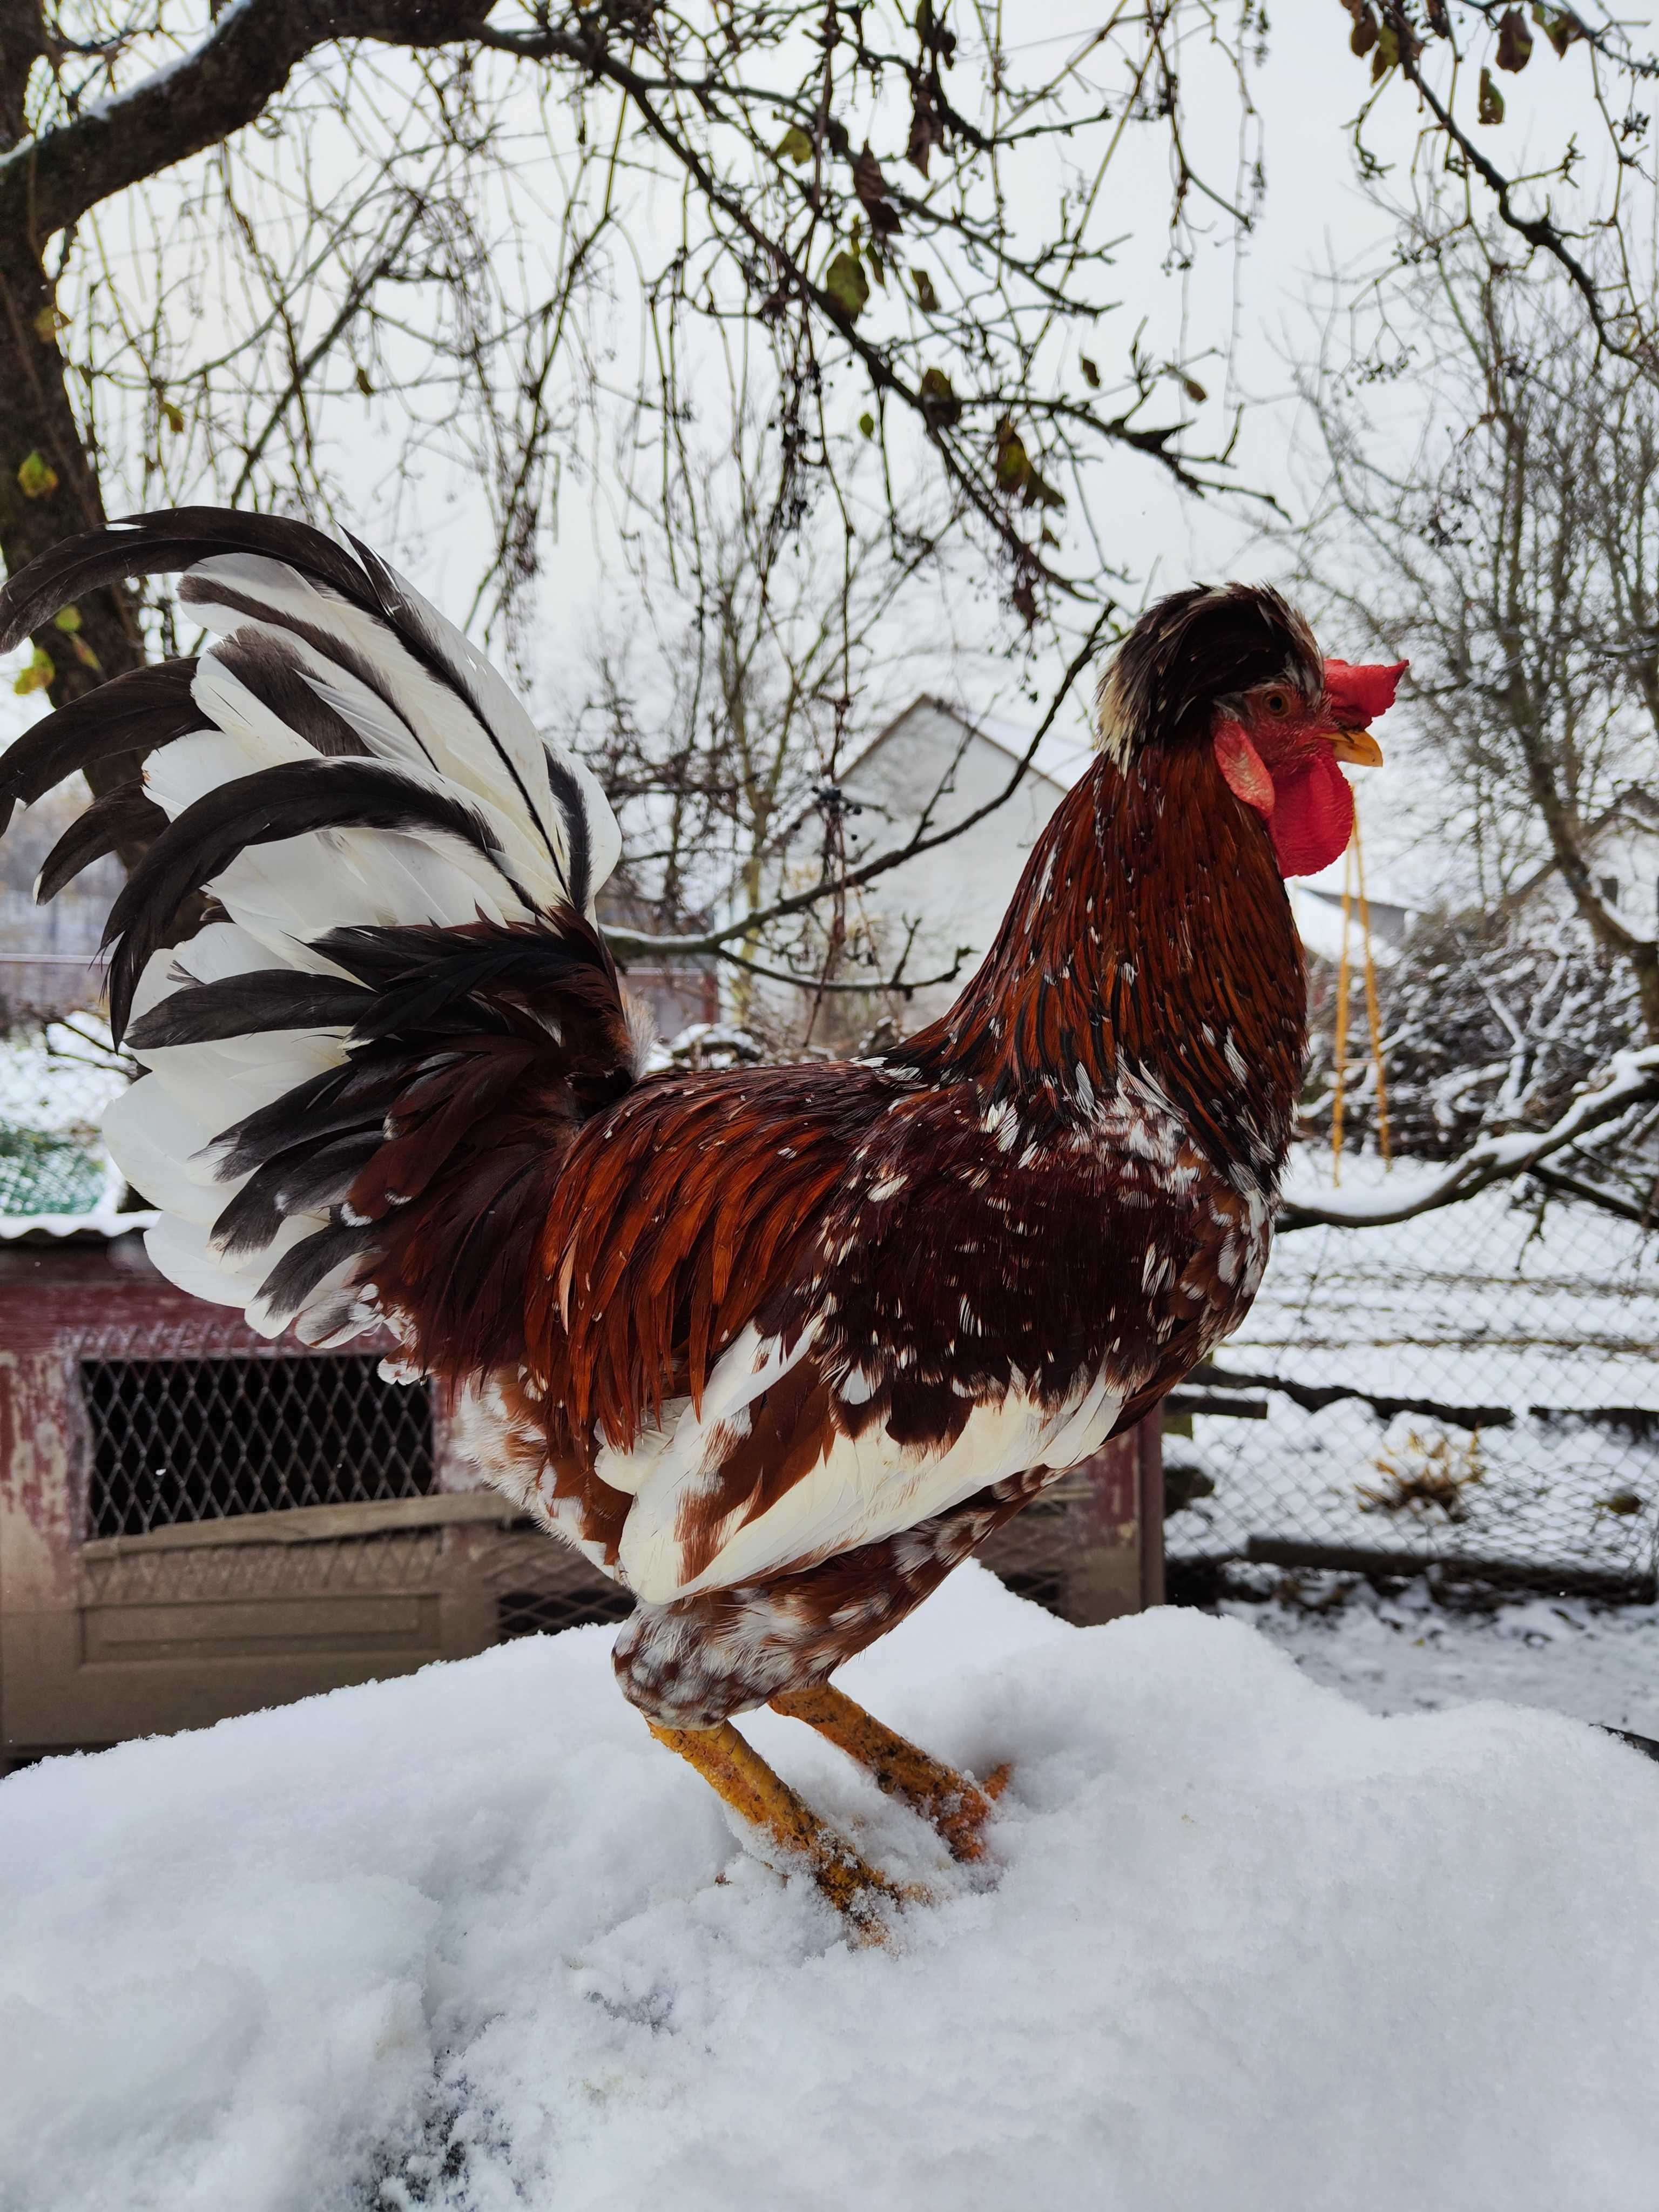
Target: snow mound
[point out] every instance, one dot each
(472, 1939)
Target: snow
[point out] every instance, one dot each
(107, 1219)
(472, 1939)
(109, 110)
(1402, 1651)
(1497, 1302)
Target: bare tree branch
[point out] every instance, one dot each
(48, 183)
(1632, 1083)
(631, 944)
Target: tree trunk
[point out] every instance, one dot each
(37, 419)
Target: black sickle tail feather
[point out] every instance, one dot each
(471, 1057)
(243, 1005)
(262, 809)
(132, 713)
(161, 544)
(120, 817)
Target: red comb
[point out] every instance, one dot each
(1359, 692)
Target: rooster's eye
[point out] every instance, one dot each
(1277, 702)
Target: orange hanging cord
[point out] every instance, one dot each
(1339, 1099)
(1353, 893)
(1373, 1016)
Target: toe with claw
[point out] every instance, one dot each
(861, 1894)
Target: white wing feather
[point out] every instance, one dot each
(866, 1488)
(469, 737)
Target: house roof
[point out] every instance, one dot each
(1635, 805)
(994, 730)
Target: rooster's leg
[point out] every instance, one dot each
(740, 1776)
(958, 1806)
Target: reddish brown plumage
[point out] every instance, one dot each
(680, 1216)
(699, 1206)
(1148, 920)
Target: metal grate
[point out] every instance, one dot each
(180, 1440)
(391, 1565)
(544, 1612)
(1030, 1553)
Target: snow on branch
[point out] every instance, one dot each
(1631, 1079)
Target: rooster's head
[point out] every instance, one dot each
(1236, 667)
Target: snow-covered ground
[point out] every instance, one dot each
(1404, 1652)
(473, 1940)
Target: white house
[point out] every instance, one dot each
(937, 759)
(1622, 848)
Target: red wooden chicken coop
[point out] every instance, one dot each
(195, 1521)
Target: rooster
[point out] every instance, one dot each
(774, 1347)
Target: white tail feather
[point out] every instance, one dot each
(467, 738)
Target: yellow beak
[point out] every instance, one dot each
(1358, 746)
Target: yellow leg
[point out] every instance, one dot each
(958, 1806)
(738, 1774)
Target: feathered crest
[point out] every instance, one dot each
(1193, 648)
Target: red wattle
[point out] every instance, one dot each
(1360, 691)
(1313, 820)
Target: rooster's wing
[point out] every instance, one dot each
(788, 1312)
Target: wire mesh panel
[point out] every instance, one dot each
(1475, 1388)
(539, 1585)
(544, 1612)
(183, 1440)
(43, 1172)
(1033, 1552)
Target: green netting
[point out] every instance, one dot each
(42, 1171)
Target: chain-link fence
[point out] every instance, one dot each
(43, 1172)
(1475, 1389)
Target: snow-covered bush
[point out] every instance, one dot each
(1488, 1025)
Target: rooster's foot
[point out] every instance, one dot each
(742, 1778)
(957, 1806)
